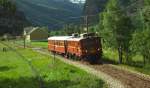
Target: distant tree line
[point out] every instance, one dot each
(7, 5)
(67, 29)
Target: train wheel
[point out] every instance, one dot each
(70, 56)
(98, 59)
(76, 58)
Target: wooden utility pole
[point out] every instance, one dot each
(86, 20)
(87, 24)
(24, 43)
(24, 39)
(54, 51)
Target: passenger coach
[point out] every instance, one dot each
(86, 46)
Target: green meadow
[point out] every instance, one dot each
(24, 68)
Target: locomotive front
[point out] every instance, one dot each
(91, 48)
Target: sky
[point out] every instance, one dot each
(77, 1)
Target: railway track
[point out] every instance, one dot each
(120, 76)
(116, 78)
(130, 80)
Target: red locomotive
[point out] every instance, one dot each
(86, 46)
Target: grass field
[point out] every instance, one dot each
(40, 44)
(33, 43)
(23, 69)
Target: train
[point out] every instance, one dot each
(86, 46)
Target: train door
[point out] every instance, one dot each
(65, 46)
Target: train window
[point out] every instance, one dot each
(73, 43)
(69, 43)
(88, 44)
(56, 43)
(52, 42)
(59, 43)
(62, 43)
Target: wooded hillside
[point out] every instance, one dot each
(12, 21)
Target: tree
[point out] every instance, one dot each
(141, 37)
(117, 28)
(12, 21)
(8, 5)
(93, 7)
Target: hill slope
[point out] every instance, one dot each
(12, 21)
(48, 12)
(93, 7)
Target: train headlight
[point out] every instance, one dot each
(79, 50)
(86, 51)
(98, 49)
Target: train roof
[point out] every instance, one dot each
(70, 38)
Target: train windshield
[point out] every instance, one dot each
(91, 43)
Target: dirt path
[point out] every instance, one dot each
(127, 78)
(114, 77)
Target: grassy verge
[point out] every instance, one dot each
(136, 64)
(40, 44)
(15, 72)
(32, 43)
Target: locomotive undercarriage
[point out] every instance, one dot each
(93, 59)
